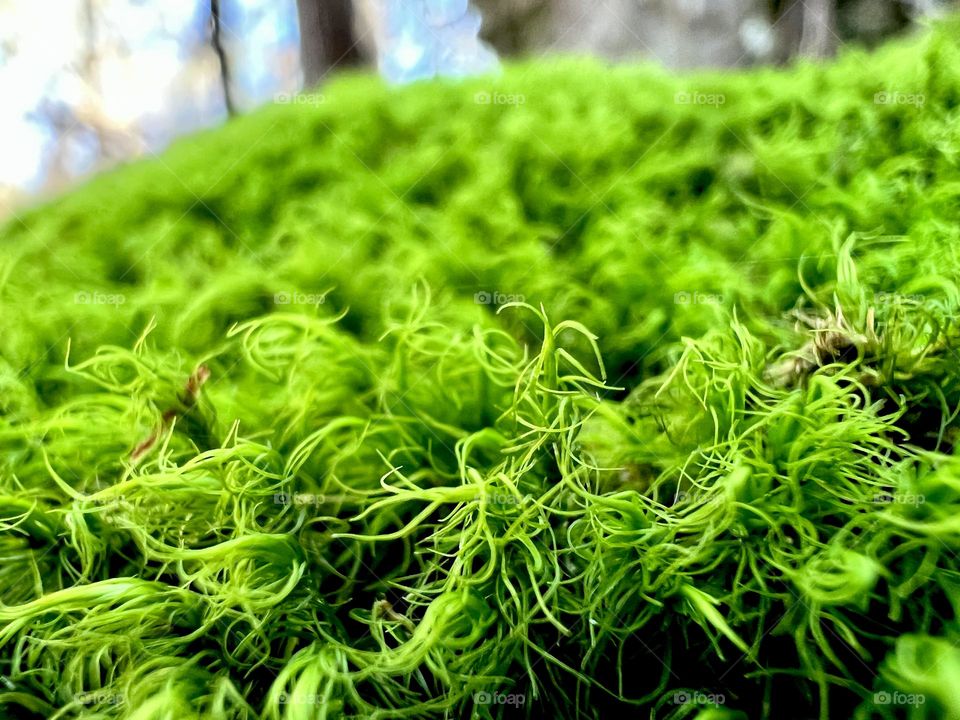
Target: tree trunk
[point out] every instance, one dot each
(326, 38)
(809, 28)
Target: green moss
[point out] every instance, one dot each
(407, 405)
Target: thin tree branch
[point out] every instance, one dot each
(217, 41)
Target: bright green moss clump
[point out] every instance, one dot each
(274, 443)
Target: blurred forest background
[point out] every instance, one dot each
(87, 84)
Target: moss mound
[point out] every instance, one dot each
(576, 391)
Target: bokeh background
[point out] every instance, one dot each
(87, 84)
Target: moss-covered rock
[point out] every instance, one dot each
(552, 394)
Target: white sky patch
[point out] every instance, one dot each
(42, 41)
(23, 148)
(138, 87)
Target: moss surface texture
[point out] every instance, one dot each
(577, 392)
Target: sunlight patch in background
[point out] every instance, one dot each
(425, 38)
